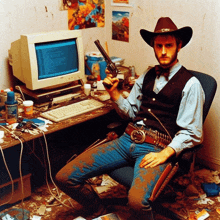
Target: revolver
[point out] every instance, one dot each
(110, 65)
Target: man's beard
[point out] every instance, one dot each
(172, 60)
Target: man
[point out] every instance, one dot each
(166, 100)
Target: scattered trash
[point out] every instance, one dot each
(7, 217)
(218, 210)
(49, 209)
(192, 216)
(205, 201)
(208, 176)
(211, 189)
(110, 216)
(189, 193)
(50, 200)
(35, 217)
(41, 210)
(79, 218)
(16, 214)
(108, 181)
(38, 198)
(202, 215)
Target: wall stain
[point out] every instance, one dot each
(140, 7)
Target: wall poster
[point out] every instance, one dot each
(85, 13)
(120, 26)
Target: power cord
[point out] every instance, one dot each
(50, 174)
(19, 88)
(12, 182)
(20, 169)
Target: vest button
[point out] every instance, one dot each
(153, 99)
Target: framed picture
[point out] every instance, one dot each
(120, 26)
(125, 3)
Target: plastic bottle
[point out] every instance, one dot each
(28, 107)
(11, 108)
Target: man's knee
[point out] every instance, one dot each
(60, 178)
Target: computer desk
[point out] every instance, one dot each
(57, 126)
(12, 148)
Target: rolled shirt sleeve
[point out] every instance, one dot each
(131, 105)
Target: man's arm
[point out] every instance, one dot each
(131, 105)
(190, 117)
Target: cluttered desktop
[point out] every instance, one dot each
(52, 69)
(58, 78)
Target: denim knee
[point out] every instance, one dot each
(62, 179)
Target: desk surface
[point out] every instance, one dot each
(56, 126)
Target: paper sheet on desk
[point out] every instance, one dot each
(40, 122)
(42, 125)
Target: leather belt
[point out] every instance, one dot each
(139, 135)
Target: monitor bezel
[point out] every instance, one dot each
(29, 59)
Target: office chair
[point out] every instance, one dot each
(124, 175)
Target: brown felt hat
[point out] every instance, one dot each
(166, 26)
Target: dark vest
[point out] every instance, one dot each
(165, 104)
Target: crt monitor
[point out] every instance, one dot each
(48, 60)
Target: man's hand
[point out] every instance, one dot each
(113, 91)
(111, 81)
(154, 159)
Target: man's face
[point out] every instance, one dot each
(166, 50)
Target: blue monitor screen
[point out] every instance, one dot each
(56, 58)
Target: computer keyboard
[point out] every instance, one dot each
(72, 110)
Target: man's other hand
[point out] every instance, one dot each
(154, 159)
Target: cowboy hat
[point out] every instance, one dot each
(166, 26)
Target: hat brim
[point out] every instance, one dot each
(185, 34)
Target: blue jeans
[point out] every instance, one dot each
(104, 158)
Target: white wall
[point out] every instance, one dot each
(201, 54)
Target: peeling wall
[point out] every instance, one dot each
(202, 53)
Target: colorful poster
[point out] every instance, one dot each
(86, 14)
(120, 26)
